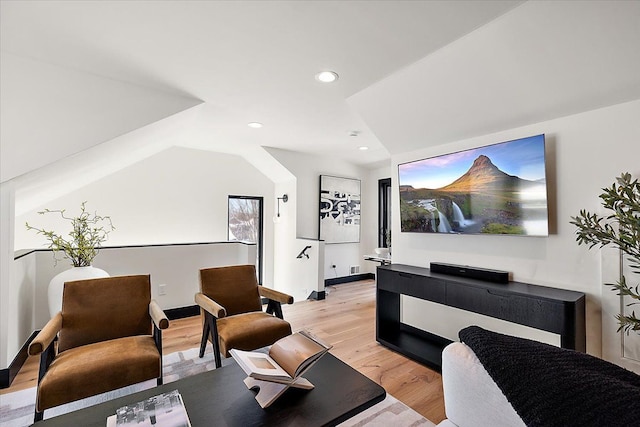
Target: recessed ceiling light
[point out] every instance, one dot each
(327, 76)
(363, 148)
(254, 125)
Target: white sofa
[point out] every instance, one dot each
(471, 397)
(550, 386)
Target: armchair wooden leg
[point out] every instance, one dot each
(38, 416)
(157, 337)
(214, 339)
(210, 331)
(203, 340)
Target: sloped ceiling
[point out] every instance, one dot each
(78, 73)
(68, 174)
(540, 61)
(50, 112)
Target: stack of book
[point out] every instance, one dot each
(166, 410)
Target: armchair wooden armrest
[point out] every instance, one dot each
(46, 336)
(274, 295)
(274, 300)
(210, 306)
(157, 315)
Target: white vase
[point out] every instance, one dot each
(54, 293)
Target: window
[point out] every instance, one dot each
(384, 213)
(246, 224)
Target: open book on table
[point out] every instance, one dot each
(287, 360)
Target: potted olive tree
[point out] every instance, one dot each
(620, 229)
(80, 246)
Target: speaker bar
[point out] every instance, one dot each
(496, 276)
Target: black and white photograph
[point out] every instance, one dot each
(339, 209)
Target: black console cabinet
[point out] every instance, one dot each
(549, 309)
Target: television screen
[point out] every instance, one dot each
(497, 189)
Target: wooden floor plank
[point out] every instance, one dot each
(346, 320)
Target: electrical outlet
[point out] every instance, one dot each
(162, 289)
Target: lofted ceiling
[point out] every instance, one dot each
(541, 61)
(78, 74)
(246, 60)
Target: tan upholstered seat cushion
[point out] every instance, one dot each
(96, 368)
(249, 331)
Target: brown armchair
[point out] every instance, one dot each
(107, 336)
(230, 299)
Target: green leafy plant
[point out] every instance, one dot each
(620, 229)
(88, 232)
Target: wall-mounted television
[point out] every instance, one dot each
(496, 189)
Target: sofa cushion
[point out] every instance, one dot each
(96, 368)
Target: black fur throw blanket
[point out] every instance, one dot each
(554, 387)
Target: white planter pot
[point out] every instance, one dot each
(54, 293)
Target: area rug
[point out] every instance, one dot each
(16, 409)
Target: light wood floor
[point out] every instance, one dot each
(345, 319)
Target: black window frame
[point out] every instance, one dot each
(260, 242)
(384, 210)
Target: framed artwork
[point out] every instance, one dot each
(339, 209)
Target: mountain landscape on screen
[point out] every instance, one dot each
(484, 199)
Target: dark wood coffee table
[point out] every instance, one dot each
(220, 398)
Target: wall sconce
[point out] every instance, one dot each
(284, 199)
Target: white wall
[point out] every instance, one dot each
(585, 152)
(7, 291)
(295, 276)
(176, 196)
(305, 274)
(160, 199)
(307, 170)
